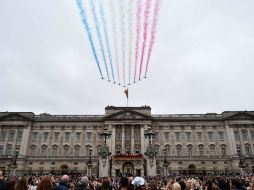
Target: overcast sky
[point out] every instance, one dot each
(203, 60)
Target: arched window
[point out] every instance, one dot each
(77, 150)
(178, 150)
(33, 149)
(66, 151)
(223, 150)
(43, 150)
(212, 150)
(247, 149)
(201, 150)
(190, 150)
(87, 149)
(167, 149)
(54, 150)
(8, 149)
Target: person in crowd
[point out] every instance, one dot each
(176, 186)
(124, 183)
(2, 181)
(64, 183)
(46, 183)
(22, 184)
(84, 184)
(138, 183)
(11, 184)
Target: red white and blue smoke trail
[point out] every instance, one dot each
(121, 35)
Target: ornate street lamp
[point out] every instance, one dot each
(89, 163)
(14, 164)
(165, 164)
(149, 134)
(105, 135)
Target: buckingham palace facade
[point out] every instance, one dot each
(127, 140)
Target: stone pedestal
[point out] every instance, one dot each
(104, 167)
(151, 167)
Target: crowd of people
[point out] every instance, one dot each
(172, 182)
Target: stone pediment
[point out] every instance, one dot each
(14, 117)
(127, 115)
(241, 116)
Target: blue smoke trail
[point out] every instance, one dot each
(97, 26)
(106, 37)
(84, 20)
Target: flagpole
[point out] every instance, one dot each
(127, 102)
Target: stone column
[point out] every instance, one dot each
(113, 135)
(250, 140)
(25, 142)
(132, 139)
(142, 140)
(123, 140)
(230, 139)
(241, 141)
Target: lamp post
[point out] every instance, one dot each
(149, 134)
(165, 162)
(105, 135)
(241, 162)
(89, 163)
(14, 164)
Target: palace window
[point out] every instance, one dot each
(67, 136)
(177, 136)
(210, 136)
(238, 148)
(190, 150)
(245, 135)
(166, 136)
(127, 135)
(33, 148)
(11, 135)
(247, 149)
(137, 136)
(89, 136)
(8, 149)
(56, 136)
(188, 136)
(221, 135)
(78, 134)
(237, 136)
(43, 151)
(137, 149)
(54, 150)
(20, 134)
(66, 151)
(34, 136)
(201, 150)
(1, 150)
(223, 150)
(167, 149)
(118, 135)
(45, 136)
(252, 135)
(212, 150)
(3, 135)
(87, 149)
(178, 150)
(199, 135)
(77, 150)
(118, 149)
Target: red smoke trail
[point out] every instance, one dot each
(138, 28)
(153, 32)
(146, 16)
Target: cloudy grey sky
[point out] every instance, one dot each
(203, 59)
